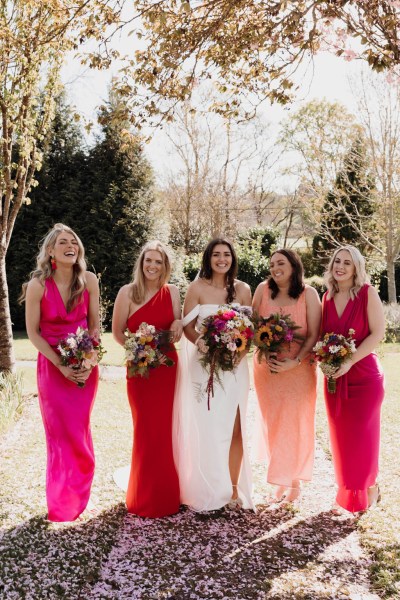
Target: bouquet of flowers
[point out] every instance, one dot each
(143, 350)
(331, 352)
(223, 336)
(80, 350)
(274, 333)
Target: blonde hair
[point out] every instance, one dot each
(43, 265)
(360, 276)
(138, 285)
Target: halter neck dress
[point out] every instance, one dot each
(66, 410)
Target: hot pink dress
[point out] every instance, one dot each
(66, 412)
(287, 404)
(354, 410)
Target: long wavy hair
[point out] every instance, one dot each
(138, 285)
(43, 266)
(206, 271)
(296, 285)
(361, 276)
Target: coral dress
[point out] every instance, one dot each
(153, 489)
(287, 403)
(66, 412)
(354, 410)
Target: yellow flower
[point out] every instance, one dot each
(142, 340)
(343, 352)
(240, 342)
(263, 336)
(278, 328)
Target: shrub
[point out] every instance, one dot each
(318, 283)
(392, 316)
(191, 266)
(11, 399)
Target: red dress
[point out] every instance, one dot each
(153, 489)
(354, 410)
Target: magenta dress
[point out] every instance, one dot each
(354, 410)
(66, 412)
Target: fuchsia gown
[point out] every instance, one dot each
(66, 412)
(354, 410)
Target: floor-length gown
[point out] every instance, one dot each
(66, 412)
(153, 488)
(203, 437)
(354, 410)
(287, 404)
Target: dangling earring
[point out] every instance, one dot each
(53, 263)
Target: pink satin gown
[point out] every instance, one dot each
(66, 412)
(354, 410)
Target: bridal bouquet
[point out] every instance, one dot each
(274, 334)
(80, 350)
(143, 350)
(331, 352)
(223, 336)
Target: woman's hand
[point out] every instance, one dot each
(279, 366)
(75, 375)
(345, 368)
(176, 330)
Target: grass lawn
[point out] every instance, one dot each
(25, 350)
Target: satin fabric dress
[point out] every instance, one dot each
(287, 404)
(203, 437)
(66, 412)
(153, 488)
(354, 410)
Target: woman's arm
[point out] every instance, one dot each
(314, 313)
(94, 304)
(243, 293)
(258, 296)
(120, 315)
(191, 300)
(34, 294)
(376, 324)
(176, 327)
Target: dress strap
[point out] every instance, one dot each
(191, 315)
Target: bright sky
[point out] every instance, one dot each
(328, 78)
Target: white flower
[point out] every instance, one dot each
(334, 349)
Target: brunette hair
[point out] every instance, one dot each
(360, 276)
(296, 286)
(206, 270)
(137, 291)
(43, 265)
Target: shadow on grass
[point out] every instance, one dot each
(224, 554)
(44, 560)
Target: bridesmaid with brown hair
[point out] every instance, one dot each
(286, 383)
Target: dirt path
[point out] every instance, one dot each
(279, 552)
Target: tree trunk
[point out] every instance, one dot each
(7, 359)
(391, 281)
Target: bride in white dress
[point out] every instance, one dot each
(210, 445)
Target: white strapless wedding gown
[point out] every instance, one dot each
(202, 437)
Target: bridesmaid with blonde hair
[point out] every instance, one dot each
(286, 383)
(60, 297)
